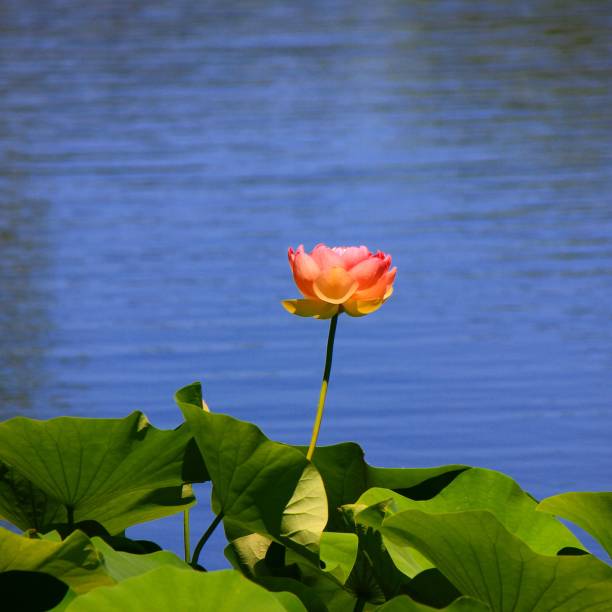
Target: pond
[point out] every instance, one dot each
(159, 158)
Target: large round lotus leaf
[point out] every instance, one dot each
(485, 561)
(169, 588)
(481, 489)
(123, 565)
(260, 486)
(405, 604)
(591, 511)
(346, 476)
(74, 561)
(343, 470)
(116, 471)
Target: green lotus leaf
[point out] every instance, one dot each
(375, 576)
(346, 476)
(248, 553)
(403, 603)
(343, 470)
(25, 505)
(74, 561)
(339, 553)
(284, 570)
(308, 595)
(324, 585)
(254, 557)
(485, 561)
(481, 489)
(415, 483)
(259, 486)
(116, 471)
(194, 469)
(170, 588)
(591, 511)
(123, 565)
(407, 560)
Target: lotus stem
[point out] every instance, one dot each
(205, 537)
(324, 384)
(186, 535)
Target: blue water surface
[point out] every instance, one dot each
(158, 158)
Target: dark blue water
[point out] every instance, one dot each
(157, 159)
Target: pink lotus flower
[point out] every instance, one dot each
(339, 279)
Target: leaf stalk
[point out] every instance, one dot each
(205, 537)
(324, 384)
